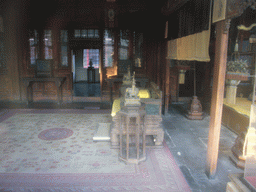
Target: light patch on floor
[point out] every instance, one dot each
(102, 133)
(224, 144)
(3, 128)
(171, 143)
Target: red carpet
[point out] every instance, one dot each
(250, 171)
(97, 169)
(251, 181)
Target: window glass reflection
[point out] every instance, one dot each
(108, 48)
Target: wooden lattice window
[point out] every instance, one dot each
(64, 47)
(108, 48)
(34, 49)
(92, 55)
(86, 33)
(124, 45)
(48, 44)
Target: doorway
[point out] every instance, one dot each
(194, 82)
(86, 76)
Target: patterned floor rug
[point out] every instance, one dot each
(53, 150)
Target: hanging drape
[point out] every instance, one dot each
(191, 48)
(190, 41)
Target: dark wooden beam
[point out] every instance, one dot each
(172, 6)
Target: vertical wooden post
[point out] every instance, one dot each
(131, 47)
(102, 72)
(167, 88)
(222, 28)
(158, 62)
(102, 69)
(116, 55)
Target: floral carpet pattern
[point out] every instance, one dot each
(49, 151)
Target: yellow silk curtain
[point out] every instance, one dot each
(191, 48)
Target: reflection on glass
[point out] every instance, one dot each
(124, 45)
(97, 33)
(84, 33)
(77, 33)
(64, 36)
(90, 33)
(108, 48)
(33, 43)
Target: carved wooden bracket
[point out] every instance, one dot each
(235, 8)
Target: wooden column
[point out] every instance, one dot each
(116, 50)
(159, 44)
(167, 88)
(130, 52)
(222, 28)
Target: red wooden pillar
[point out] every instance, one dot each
(222, 28)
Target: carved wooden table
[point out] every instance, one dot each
(132, 135)
(28, 81)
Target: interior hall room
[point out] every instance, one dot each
(127, 95)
